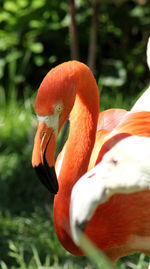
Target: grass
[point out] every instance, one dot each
(27, 236)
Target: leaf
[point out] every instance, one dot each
(13, 55)
(2, 65)
(3, 265)
(12, 246)
(39, 60)
(36, 47)
(36, 256)
(114, 74)
(38, 3)
(4, 16)
(138, 11)
(36, 24)
(10, 6)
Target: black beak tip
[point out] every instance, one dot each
(46, 174)
(48, 177)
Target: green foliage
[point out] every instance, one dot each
(34, 37)
(18, 181)
(27, 233)
(30, 242)
(28, 30)
(123, 36)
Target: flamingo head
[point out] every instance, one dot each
(54, 101)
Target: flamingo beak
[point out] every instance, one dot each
(43, 157)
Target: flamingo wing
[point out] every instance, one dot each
(107, 121)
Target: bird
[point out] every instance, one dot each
(124, 169)
(120, 179)
(70, 90)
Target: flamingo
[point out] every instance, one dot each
(70, 90)
(122, 168)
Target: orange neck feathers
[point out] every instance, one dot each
(77, 151)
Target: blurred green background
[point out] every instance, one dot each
(36, 35)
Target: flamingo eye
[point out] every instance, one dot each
(58, 108)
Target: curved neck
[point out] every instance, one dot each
(77, 151)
